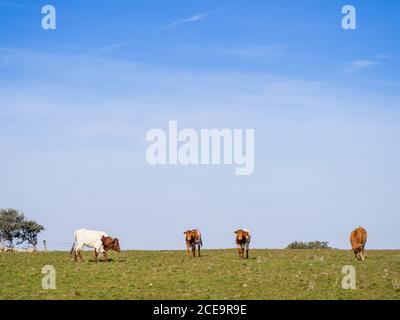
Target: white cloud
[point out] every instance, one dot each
(360, 64)
(112, 47)
(384, 56)
(191, 19)
(356, 65)
(194, 18)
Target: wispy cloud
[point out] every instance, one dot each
(192, 19)
(356, 65)
(384, 56)
(108, 79)
(117, 45)
(365, 63)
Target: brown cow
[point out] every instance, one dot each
(243, 238)
(358, 239)
(193, 239)
(108, 244)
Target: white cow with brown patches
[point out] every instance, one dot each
(99, 240)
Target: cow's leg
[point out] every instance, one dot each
(362, 256)
(78, 250)
(194, 251)
(199, 249)
(105, 256)
(80, 255)
(364, 253)
(188, 251)
(247, 253)
(75, 256)
(359, 253)
(95, 255)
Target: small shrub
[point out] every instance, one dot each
(309, 245)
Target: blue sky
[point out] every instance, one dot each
(76, 103)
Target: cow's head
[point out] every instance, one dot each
(240, 234)
(115, 245)
(190, 235)
(358, 252)
(110, 244)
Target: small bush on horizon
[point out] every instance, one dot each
(309, 245)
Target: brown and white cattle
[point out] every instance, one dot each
(243, 238)
(193, 239)
(98, 240)
(358, 239)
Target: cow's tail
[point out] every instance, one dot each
(72, 249)
(201, 242)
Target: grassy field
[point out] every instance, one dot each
(218, 274)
